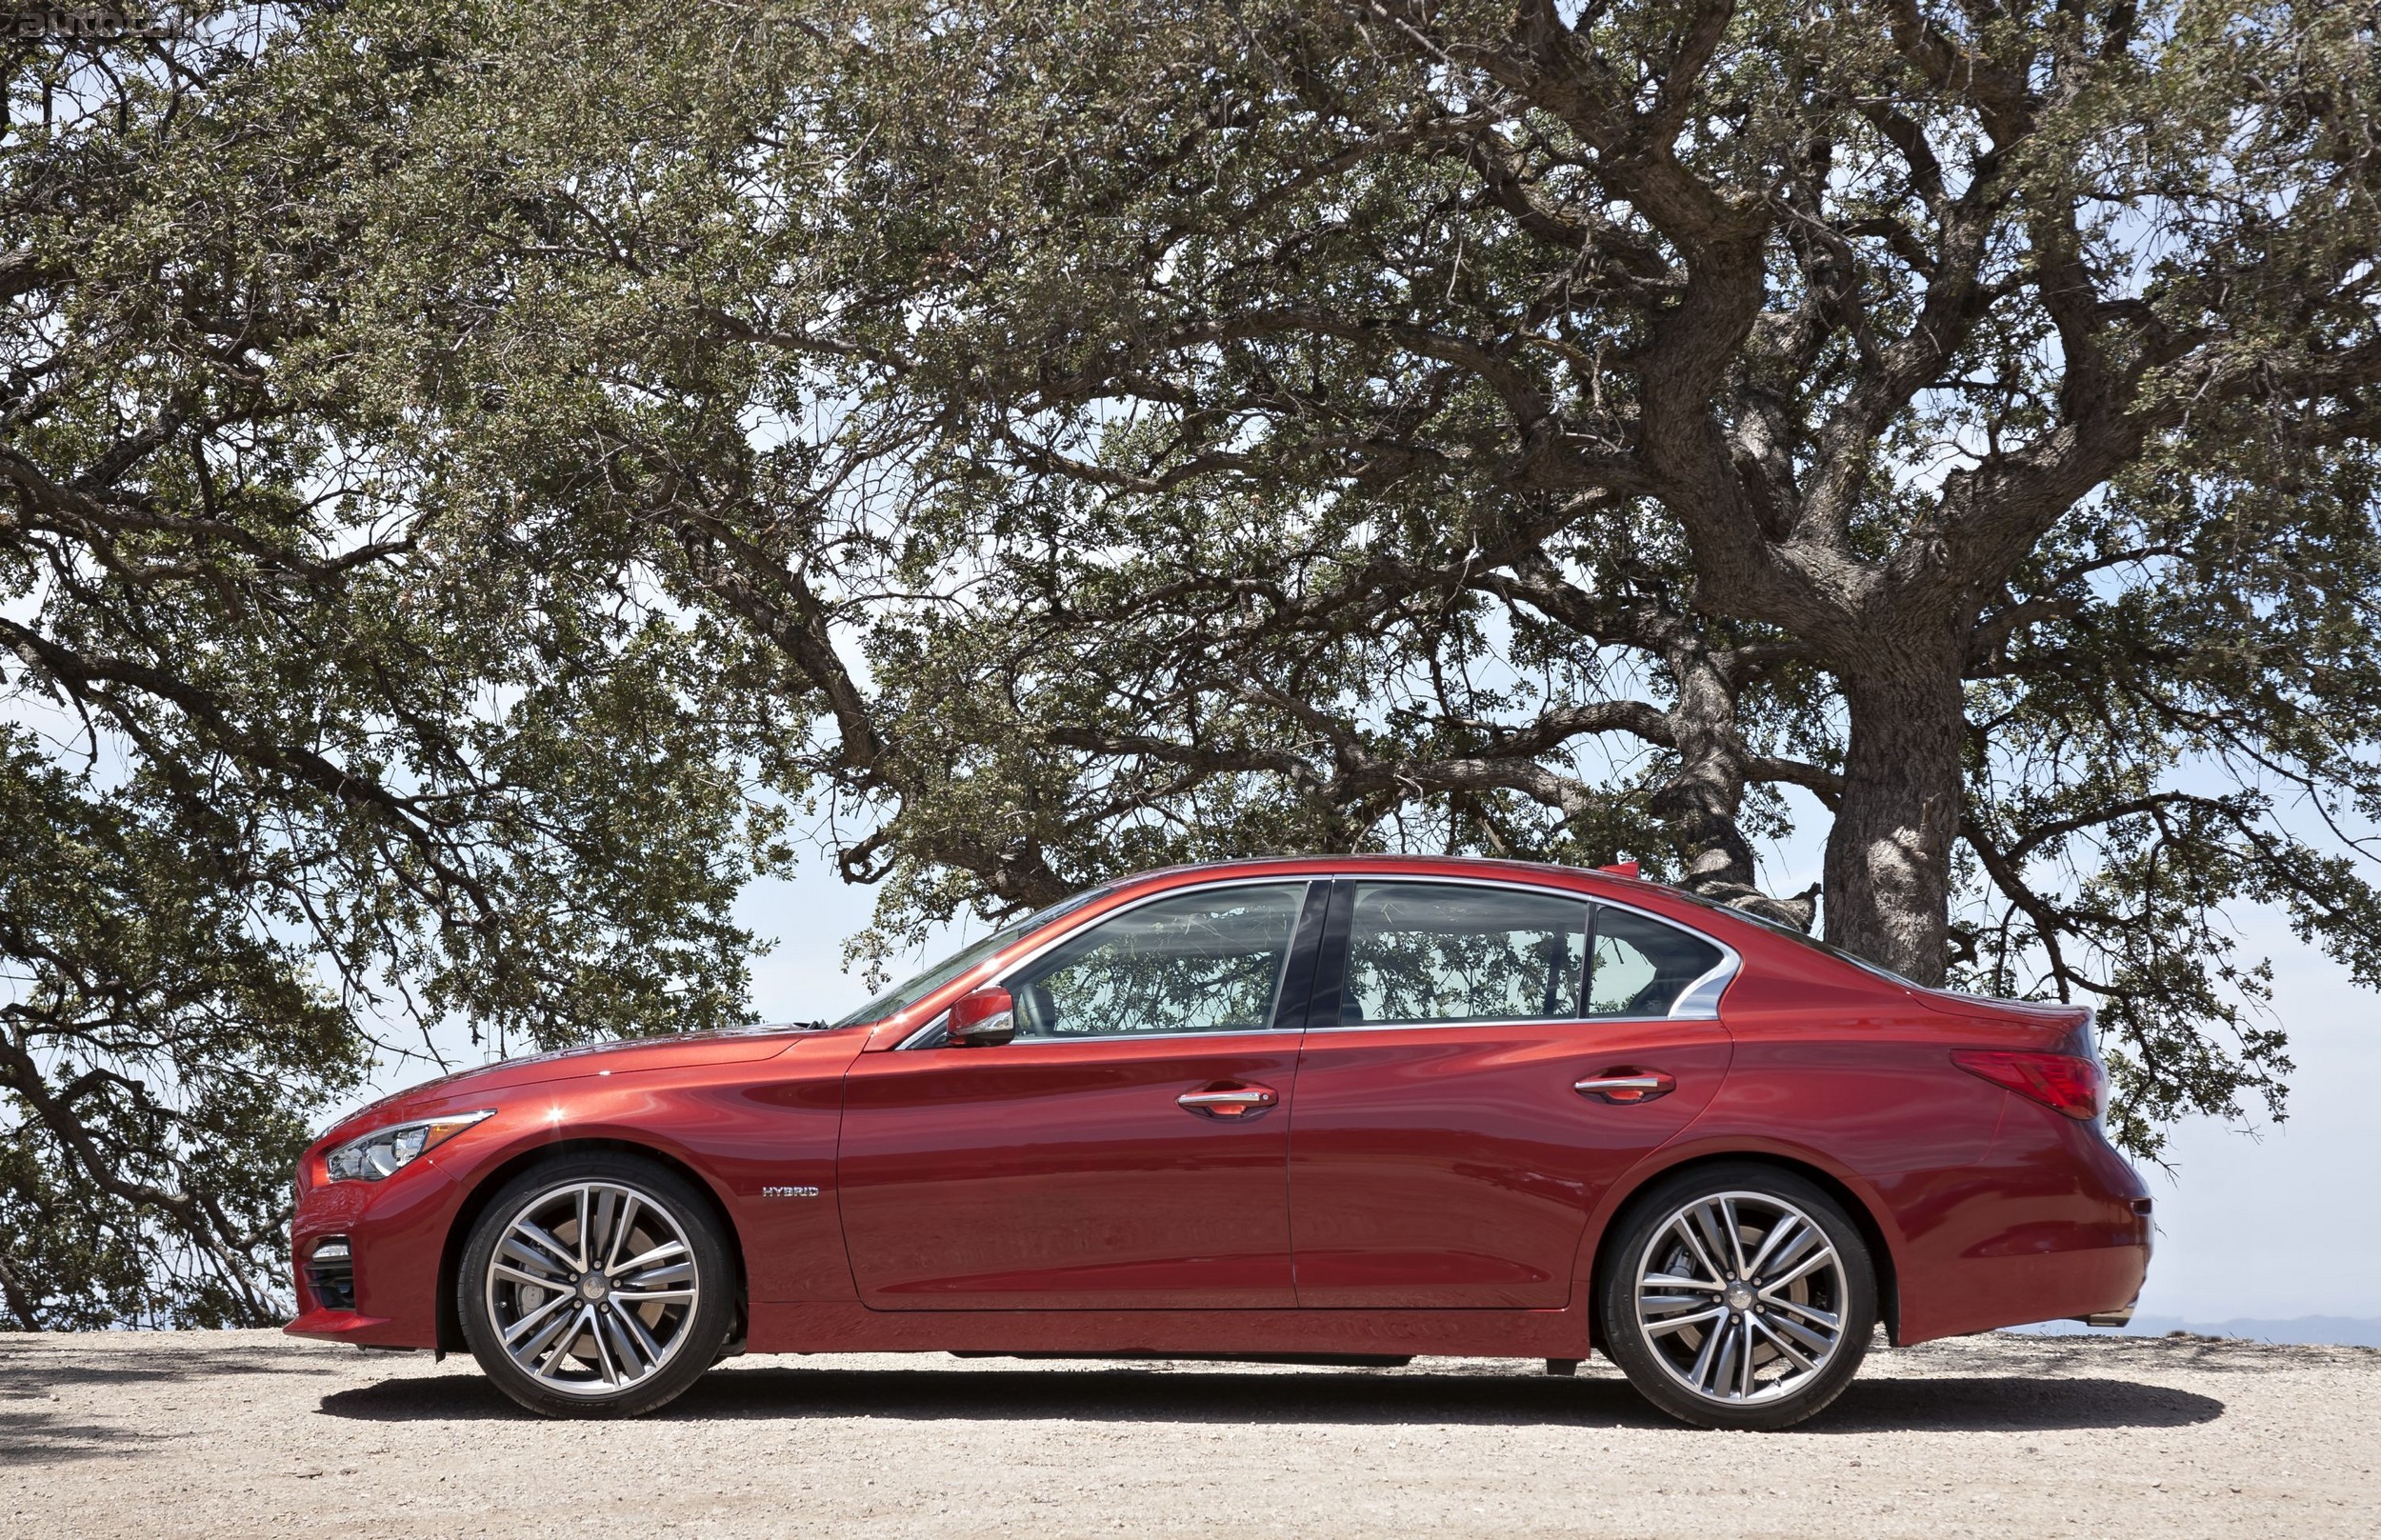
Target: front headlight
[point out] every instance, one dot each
(370, 1156)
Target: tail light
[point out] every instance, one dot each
(2062, 1082)
(331, 1274)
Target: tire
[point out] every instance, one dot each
(1807, 1310)
(546, 1321)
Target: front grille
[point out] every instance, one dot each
(331, 1274)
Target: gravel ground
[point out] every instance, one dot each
(250, 1432)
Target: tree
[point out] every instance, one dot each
(1965, 416)
(1154, 432)
(476, 472)
(1126, 434)
(301, 750)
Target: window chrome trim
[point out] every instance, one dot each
(1277, 1034)
(1698, 1001)
(929, 1035)
(923, 1036)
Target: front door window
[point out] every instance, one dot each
(1203, 962)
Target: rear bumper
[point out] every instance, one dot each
(2066, 1236)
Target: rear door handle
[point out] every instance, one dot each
(1626, 1088)
(1231, 1102)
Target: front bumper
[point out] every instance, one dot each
(396, 1231)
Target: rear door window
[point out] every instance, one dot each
(1642, 965)
(1422, 952)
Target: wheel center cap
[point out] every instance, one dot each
(1739, 1295)
(593, 1285)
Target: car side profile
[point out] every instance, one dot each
(1341, 1108)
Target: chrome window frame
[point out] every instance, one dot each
(1698, 1001)
(926, 1037)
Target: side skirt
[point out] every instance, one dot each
(850, 1328)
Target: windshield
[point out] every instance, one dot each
(905, 994)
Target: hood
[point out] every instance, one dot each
(728, 1046)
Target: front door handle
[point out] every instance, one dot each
(1231, 1103)
(1626, 1087)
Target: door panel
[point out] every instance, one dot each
(1060, 1174)
(1450, 1163)
(1128, 1150)
(1455, 1167)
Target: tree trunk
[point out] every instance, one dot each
(1888, 856)
(1702, 800)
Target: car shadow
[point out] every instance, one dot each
(1947, 1404)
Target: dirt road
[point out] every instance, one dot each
(251, 1433)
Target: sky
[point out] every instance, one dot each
(2248, 1220)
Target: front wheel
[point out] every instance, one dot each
(1739, 1296)
(596, 1286)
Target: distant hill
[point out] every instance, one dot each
(2334, 1330)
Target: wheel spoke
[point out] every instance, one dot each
(620, 1233)
(1725, 1370)
(1817, 1342)
(544, 1336)
(1794, 1354)
(563, 1344)
(643, 1296)
(1674, 1323)
(1804, 1244)
(635, 1331)
(1685, 1229)
(1734, 1230)
(658, 1254)
(1672, 1302)
(1778, 1232)
(1698, 1376)
(1809, 1313)
(598, 1237)
(1802, 1270)
(562, 1254)
(1671, 1280)
(541, 1269)
(527, 1322)
(586, 1251)
(1706, 1224)
(604, 1364)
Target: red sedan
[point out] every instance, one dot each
(1345, 1109)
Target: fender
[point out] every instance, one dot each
(1694, 1143)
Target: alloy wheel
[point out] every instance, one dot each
(1740, 1298)
(591, 1288)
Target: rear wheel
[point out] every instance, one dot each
(1739, 1296)
(596, 1286)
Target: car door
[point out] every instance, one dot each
(1480, 1064)
(1127, 1149)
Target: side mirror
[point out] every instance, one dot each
(983, 1019)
